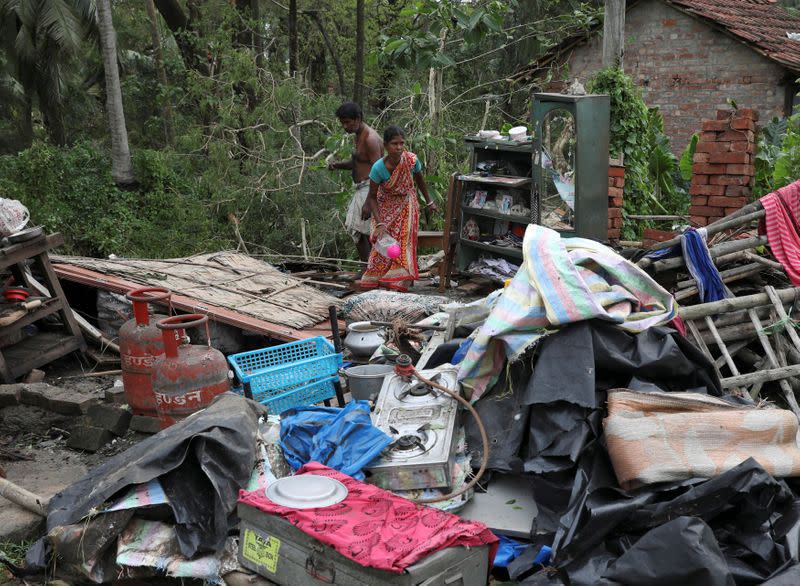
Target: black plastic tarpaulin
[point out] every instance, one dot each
(201, 462)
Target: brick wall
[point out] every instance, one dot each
(616, 185)
(722, 170)
(687, 69)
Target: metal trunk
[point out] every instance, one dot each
(186, 378)
(140, 341)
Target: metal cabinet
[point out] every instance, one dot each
(570, 163)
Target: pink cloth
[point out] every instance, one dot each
(376, 528)
(782, 212)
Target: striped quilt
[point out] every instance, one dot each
(561, 281)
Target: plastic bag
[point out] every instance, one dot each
(342, 439)
(13, 216)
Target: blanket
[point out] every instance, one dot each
(561, 281)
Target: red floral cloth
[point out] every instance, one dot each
(376, 528)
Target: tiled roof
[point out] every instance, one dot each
(762, 24)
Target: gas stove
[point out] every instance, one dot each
(421, 421)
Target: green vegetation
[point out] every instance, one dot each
(653, 182)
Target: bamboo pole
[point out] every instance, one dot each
(728, 276)
(19, 496)
(715, 252)
(748, 213)
(736, 303)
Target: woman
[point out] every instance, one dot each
(392, 203)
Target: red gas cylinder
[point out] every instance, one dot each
(139, 342)
(187, 377)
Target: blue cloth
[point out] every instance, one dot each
(698, 260)
(509, 550)
(380, 174)
(463, 348)
(342, 439)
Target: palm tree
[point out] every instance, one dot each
(121, 166)
(39, 37)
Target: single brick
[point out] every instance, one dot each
(743, 146)
(713, 147)
(10, 395)
(742, 123)
(615, 202)
(114, 419)
(729, 180)
(615, 192)
(33, 394)
(733, 158)
(740, 170)
(614, 213)
(747, 113)
(725, 201)
(737, 135)
(88, 438)
(707, 189)
(700, 179)
(699, 220)
(700, 158)
(705, 211)
(724, 114)
(144, 424)
(614, 234)
(708, 169)
(708, 137)
(34, 376)
(715, 125)
(699, 200)
(116, 395)
(738, 191)
(616, 171)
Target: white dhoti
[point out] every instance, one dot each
(353, 223)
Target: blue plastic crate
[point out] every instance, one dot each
(299, 397)
(278, 370)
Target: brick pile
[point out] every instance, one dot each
(616, 185)
(722, 169)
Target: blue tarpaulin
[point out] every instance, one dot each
(342, 439)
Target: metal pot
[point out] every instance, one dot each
(366, 381)
(363, 338)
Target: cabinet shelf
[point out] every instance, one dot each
(496, 215)
(493, 248)
(48, 307)
(497, 180)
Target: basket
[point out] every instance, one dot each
(289, 375)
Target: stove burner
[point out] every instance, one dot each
(418, 389)
(408, 442)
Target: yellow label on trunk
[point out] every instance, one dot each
(262, 551)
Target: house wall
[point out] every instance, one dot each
(687, 69)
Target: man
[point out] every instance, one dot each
(367, 149)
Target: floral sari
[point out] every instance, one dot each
(399, 212)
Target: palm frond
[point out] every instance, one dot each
(9, 7)
(11, 90)
(60, 24)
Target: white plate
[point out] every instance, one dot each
(306, 491)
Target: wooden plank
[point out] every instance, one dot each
(48, 307)
(761, 376)
(735, 274)
(53, 284)
(17, 253)
(450, 239)
(188, 304)
(37, 351)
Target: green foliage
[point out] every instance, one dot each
(687, 158)
(777, 159)
(637, 132)
(70, 190)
